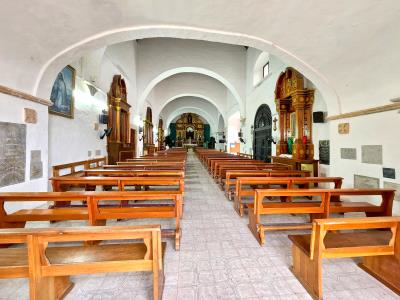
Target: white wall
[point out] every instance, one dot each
(12, 110)
(375, 129)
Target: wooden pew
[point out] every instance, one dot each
(246, 186)
(221, 169)
(94, 210)
(49, 267)
(316, 209)
(76, 168)
(233, 175)
(59, 183)
(377, 240)
(134, 173)
(144, 167)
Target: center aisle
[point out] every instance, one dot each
(219, 257)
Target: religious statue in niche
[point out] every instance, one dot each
(62, 93)
(189, 118)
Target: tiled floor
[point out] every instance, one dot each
(219, 259)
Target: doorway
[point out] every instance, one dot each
(262, 143)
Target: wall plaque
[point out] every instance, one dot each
(389, 173)
(30, 115)
(348, 153)
(98, 152)
(344, 128)
(36, 170)
(89, 153)
(395, 186)
(371, 154)
(324, 155)
(365, 182)
(12, 153)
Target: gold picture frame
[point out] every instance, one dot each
(62, 93)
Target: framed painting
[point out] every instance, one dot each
(62, 94)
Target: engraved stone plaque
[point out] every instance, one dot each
(30, 115)
(389, 173)
(371, 154)
(365, 182)
(344, 128)
(348, 153)
(395, 186)
(36, 170)
(324, 157)
(12, 153)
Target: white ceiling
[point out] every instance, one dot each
(348, 49)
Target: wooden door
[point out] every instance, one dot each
(262, 143)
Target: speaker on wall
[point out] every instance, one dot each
(318, 117)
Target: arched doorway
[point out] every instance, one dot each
(262, 133)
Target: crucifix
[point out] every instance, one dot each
(275, 120)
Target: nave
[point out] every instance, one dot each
(218, 259)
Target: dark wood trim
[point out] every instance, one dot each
(363, 112)
(23, 95)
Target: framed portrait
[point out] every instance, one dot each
(62, 94)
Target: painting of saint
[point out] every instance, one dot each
(62, 93)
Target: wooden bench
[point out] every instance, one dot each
(95, 207)
(316, 209)
(377, 240)
(232, 175)
(246, 186)
(221, 168)
(62, 183)
(49, 267)
(144, 167)
(76, 168)
(134, 173)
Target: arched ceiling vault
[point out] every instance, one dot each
(51, 67)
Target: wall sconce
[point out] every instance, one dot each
(240, 135)
(252, 129)
(107, 132)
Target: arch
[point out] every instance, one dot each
(45, 77)
(197, 70)
(217, 106)
(262, 140)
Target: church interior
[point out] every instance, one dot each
(185, 150)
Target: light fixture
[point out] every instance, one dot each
(107, 132)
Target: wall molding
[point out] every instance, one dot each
(363, 112)
(23, 95)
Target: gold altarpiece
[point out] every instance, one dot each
(119, 141)
(294, 104)
(189, 130)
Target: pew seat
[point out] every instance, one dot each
(48, 265)
(376, 240)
